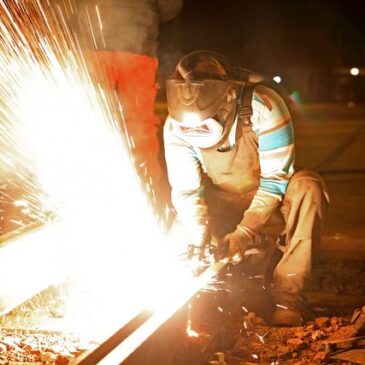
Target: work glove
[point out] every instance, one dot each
(237, 242)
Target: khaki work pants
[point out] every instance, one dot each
(304, 208)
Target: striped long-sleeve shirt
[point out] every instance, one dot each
(273, 125)
(271, 121)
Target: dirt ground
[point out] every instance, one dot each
(236, 324)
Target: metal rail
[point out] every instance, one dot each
(123, 342)
(97, 354)
(120, 345)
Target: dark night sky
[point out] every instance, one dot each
(270, 34)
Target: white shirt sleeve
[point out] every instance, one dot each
(184, 174)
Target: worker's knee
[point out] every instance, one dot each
(311, 188)
(308, 186)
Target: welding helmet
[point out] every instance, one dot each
(202, 98)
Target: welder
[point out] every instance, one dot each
(229, 149)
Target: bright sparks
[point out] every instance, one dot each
(60, 138)
(60, 127)
(189, 331)
(62, 148)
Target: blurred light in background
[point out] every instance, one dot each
(354, 71)
(295, 97)
(277, 79)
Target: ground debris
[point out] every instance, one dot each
(322, 322)
(32, 347)
(232, 322)
(245, 337)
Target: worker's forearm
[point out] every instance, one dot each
(192, 213)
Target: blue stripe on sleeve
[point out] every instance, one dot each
(277, 187)
(258, 99)
(277, 139)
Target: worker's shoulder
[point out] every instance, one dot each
(266, 96)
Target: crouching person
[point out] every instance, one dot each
(229, 149)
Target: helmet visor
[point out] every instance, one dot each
(202, 97)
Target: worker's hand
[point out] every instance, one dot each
(237, 243)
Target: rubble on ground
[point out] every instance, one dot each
(316, 342)
(38, 347)
(230, 319)
(333, 333)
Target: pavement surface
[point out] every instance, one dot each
(330, 139)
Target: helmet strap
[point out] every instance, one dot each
(228, 125)
(244, 104)
(243, 111)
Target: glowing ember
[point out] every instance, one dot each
(189, 331)
(281, 306)
(262, 337)
(64, 133)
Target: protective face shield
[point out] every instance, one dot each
(205, 85)
(202, 111)
(201, 98)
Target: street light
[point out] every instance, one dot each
(354, 71)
